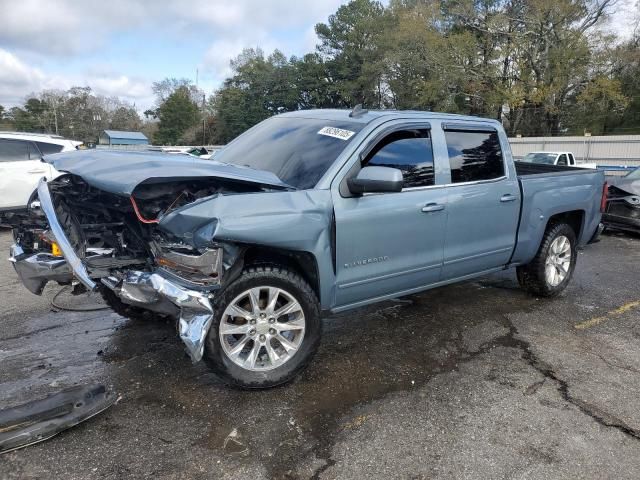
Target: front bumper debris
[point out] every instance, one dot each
(151, 291)
(155, 292)
(37, 269)
(159, 291)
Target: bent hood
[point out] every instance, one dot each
(121, 172)
(630, 186)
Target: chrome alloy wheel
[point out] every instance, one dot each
(262, 328)
(558, 261)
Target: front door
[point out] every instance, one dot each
(391, 242)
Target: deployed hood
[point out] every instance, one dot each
(121, 172)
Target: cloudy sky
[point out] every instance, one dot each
(119, 47)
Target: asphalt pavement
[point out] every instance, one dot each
(473, 381)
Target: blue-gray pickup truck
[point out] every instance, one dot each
(306, 213)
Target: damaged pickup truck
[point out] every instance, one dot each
(306, 213)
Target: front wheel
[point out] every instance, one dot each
(266, 328)
(550, 271)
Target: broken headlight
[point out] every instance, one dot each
(201, 268)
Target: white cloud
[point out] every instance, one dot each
(50, 34)
(623, 18)
(69, 27)
(17, 79)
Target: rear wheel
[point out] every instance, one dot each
(550, 271)
(266, 328)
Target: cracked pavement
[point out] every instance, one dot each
(476, 380)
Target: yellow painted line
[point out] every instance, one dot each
(598, 320)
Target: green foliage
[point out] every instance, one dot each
(177, 114)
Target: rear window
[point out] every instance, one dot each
(546, 158)
(299, 151)
(474, 155)
(47, 148)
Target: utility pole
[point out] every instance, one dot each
(55, 114)
(203, 117)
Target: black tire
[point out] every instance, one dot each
(264, 276)
(121, 308)
(532, 276)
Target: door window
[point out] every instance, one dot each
(474, 155)
(410, 152)
(14, 150)
(562, 160)
(47, 148)
(572, 161)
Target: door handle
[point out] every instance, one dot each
(36, 170)
(508, 198)
(432, 207)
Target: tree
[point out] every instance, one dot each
(177, 113)
(351, 44)
(125, 118)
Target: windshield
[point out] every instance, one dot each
(540, 157)
(634, 175)
(297, 150)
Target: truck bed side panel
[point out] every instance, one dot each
(546, 195)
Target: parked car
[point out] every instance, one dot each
(21, 168)
(622, 211)
(305, 213)
(555, 158)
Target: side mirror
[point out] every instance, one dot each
(376, 180)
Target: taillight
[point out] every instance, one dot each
(605, 195)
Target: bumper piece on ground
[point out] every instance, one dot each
(154, 292)
(41, 419)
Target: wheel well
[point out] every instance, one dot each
(303, 263)
(573, 218)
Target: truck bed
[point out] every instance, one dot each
(526, 168)
(549, 190)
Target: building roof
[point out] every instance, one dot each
(126, 135)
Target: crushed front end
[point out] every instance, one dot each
(111, 241)
(623, 209)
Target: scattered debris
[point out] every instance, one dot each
(39, 420)
(233, 444)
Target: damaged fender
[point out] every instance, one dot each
(291, 220)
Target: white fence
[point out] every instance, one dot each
(621, 150)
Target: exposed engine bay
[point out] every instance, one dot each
(125, 230)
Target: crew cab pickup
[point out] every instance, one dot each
(306, 213)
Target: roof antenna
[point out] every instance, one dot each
(358, 111)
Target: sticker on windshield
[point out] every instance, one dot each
(336, 133)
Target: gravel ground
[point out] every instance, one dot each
(477, 380)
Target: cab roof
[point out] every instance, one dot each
(371, 115)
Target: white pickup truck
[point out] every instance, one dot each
(555, 158)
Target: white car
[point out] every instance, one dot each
(555, 158)
(21, 168)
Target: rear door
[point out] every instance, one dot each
(483, 201)
(391, 242)
(20, 170)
